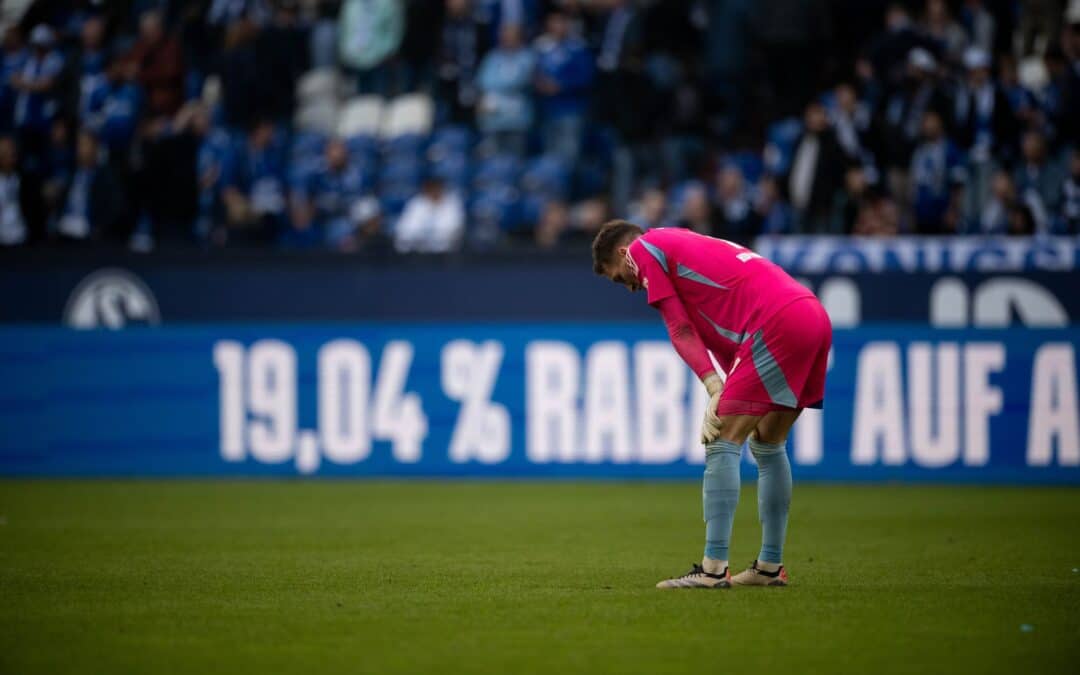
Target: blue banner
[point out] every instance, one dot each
(814, 254)
(581, 400)
(83, 292)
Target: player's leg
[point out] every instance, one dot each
(720, 497)
(768, 445)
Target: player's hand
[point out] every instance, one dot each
(710, 427)
(712, 383)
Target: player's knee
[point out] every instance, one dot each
(736, 429)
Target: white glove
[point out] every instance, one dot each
(710, 428)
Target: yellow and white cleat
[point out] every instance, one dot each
(697, 577)
(754, 576)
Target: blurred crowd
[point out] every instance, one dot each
(437, 125)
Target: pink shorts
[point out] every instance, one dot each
(782, 365)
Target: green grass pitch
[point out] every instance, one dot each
(517, 578)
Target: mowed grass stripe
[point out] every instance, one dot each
(484, 577)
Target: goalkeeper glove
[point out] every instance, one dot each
(710, 428)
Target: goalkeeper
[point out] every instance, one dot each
(772, 338)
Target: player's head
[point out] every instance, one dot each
(609, 252)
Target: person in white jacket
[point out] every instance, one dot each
(433, 221)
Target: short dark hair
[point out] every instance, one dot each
(610, 237)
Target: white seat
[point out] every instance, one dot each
(318, 84)
(321, 117)
(361, 116)
(408, 114)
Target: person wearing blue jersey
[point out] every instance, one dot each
(36, 97)
(323, 201)
(564, 73)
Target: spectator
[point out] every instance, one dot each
(849, 201)
(622, 32)
(419, 45)
(368, 235)
(225, 12)
(36, 104)
(92, 56)
(937, 180)
(1069, 108)
(1021, 221)
(93, 203)
(240, 77)
(1039, 180)
(851, 121)
(902, 119)
(636, 156)
(985, 126)
(433, 220)
(651, 209)
(12, 196)
(994, 218)
(1040, 20)
(253, 189)
(948, 35)
(695, 213)
(1022, 102)
(112, 110)
(12, 60)
(322, 205)
(979, 24)
(214, 145)
(564, 74)
(879, 216)
(59, 165)
(281, 49)
(1070, 203)
(817, 169)
(505, 112)
(771, 214)
(588, 216)
(459, 53)
(370, 33)
(159, 66)
(324, 35)
(888, 56)
(733, 205)
(554, 222)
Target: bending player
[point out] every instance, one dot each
(772, 337)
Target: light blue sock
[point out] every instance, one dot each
(774, 497)
(720, 496)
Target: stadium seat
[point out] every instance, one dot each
(317, 118)
(452, 140)
(455, 170)
(318, 85)
(499, 204)
(497, 171)
(750, 164)
(307, 144)
(361, 116)
(409, 114)
(547, 175)
(405, 145)
(531, 208)
(364, 149)
(402, 172)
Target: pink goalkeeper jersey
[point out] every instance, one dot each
(728, 290)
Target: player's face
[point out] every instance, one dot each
(619, 272)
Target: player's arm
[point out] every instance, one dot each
(687, 342)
